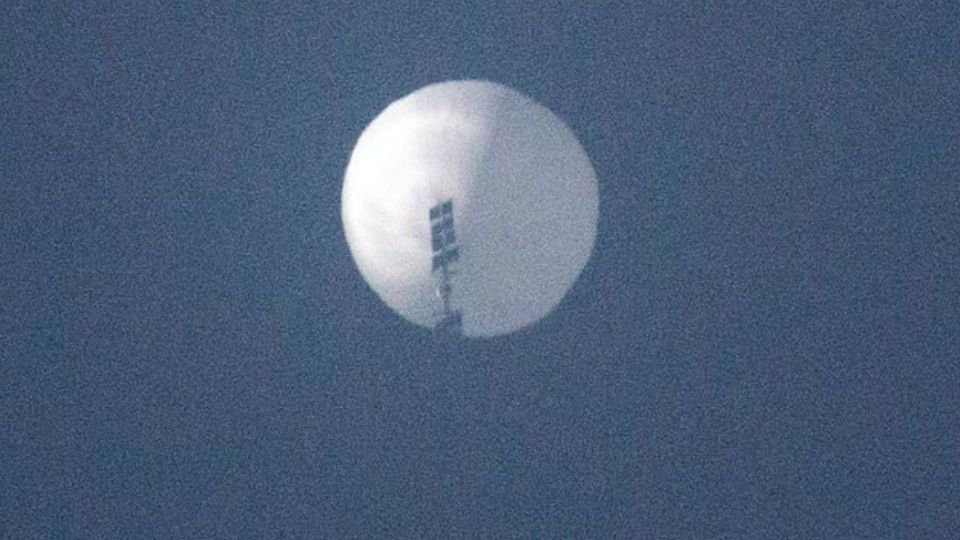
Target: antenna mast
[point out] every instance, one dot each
(445, 253)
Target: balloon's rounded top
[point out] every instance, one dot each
(519, 188)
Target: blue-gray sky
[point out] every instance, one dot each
(763, 345)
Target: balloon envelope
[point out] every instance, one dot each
(525, 205)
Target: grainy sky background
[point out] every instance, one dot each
(764, 344)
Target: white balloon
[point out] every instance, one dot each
(525, 205)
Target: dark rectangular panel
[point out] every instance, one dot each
(446, 258)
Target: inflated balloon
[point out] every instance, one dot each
(524, 199)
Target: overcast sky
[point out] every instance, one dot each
(763, 344)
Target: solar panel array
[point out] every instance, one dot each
(443, 240)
